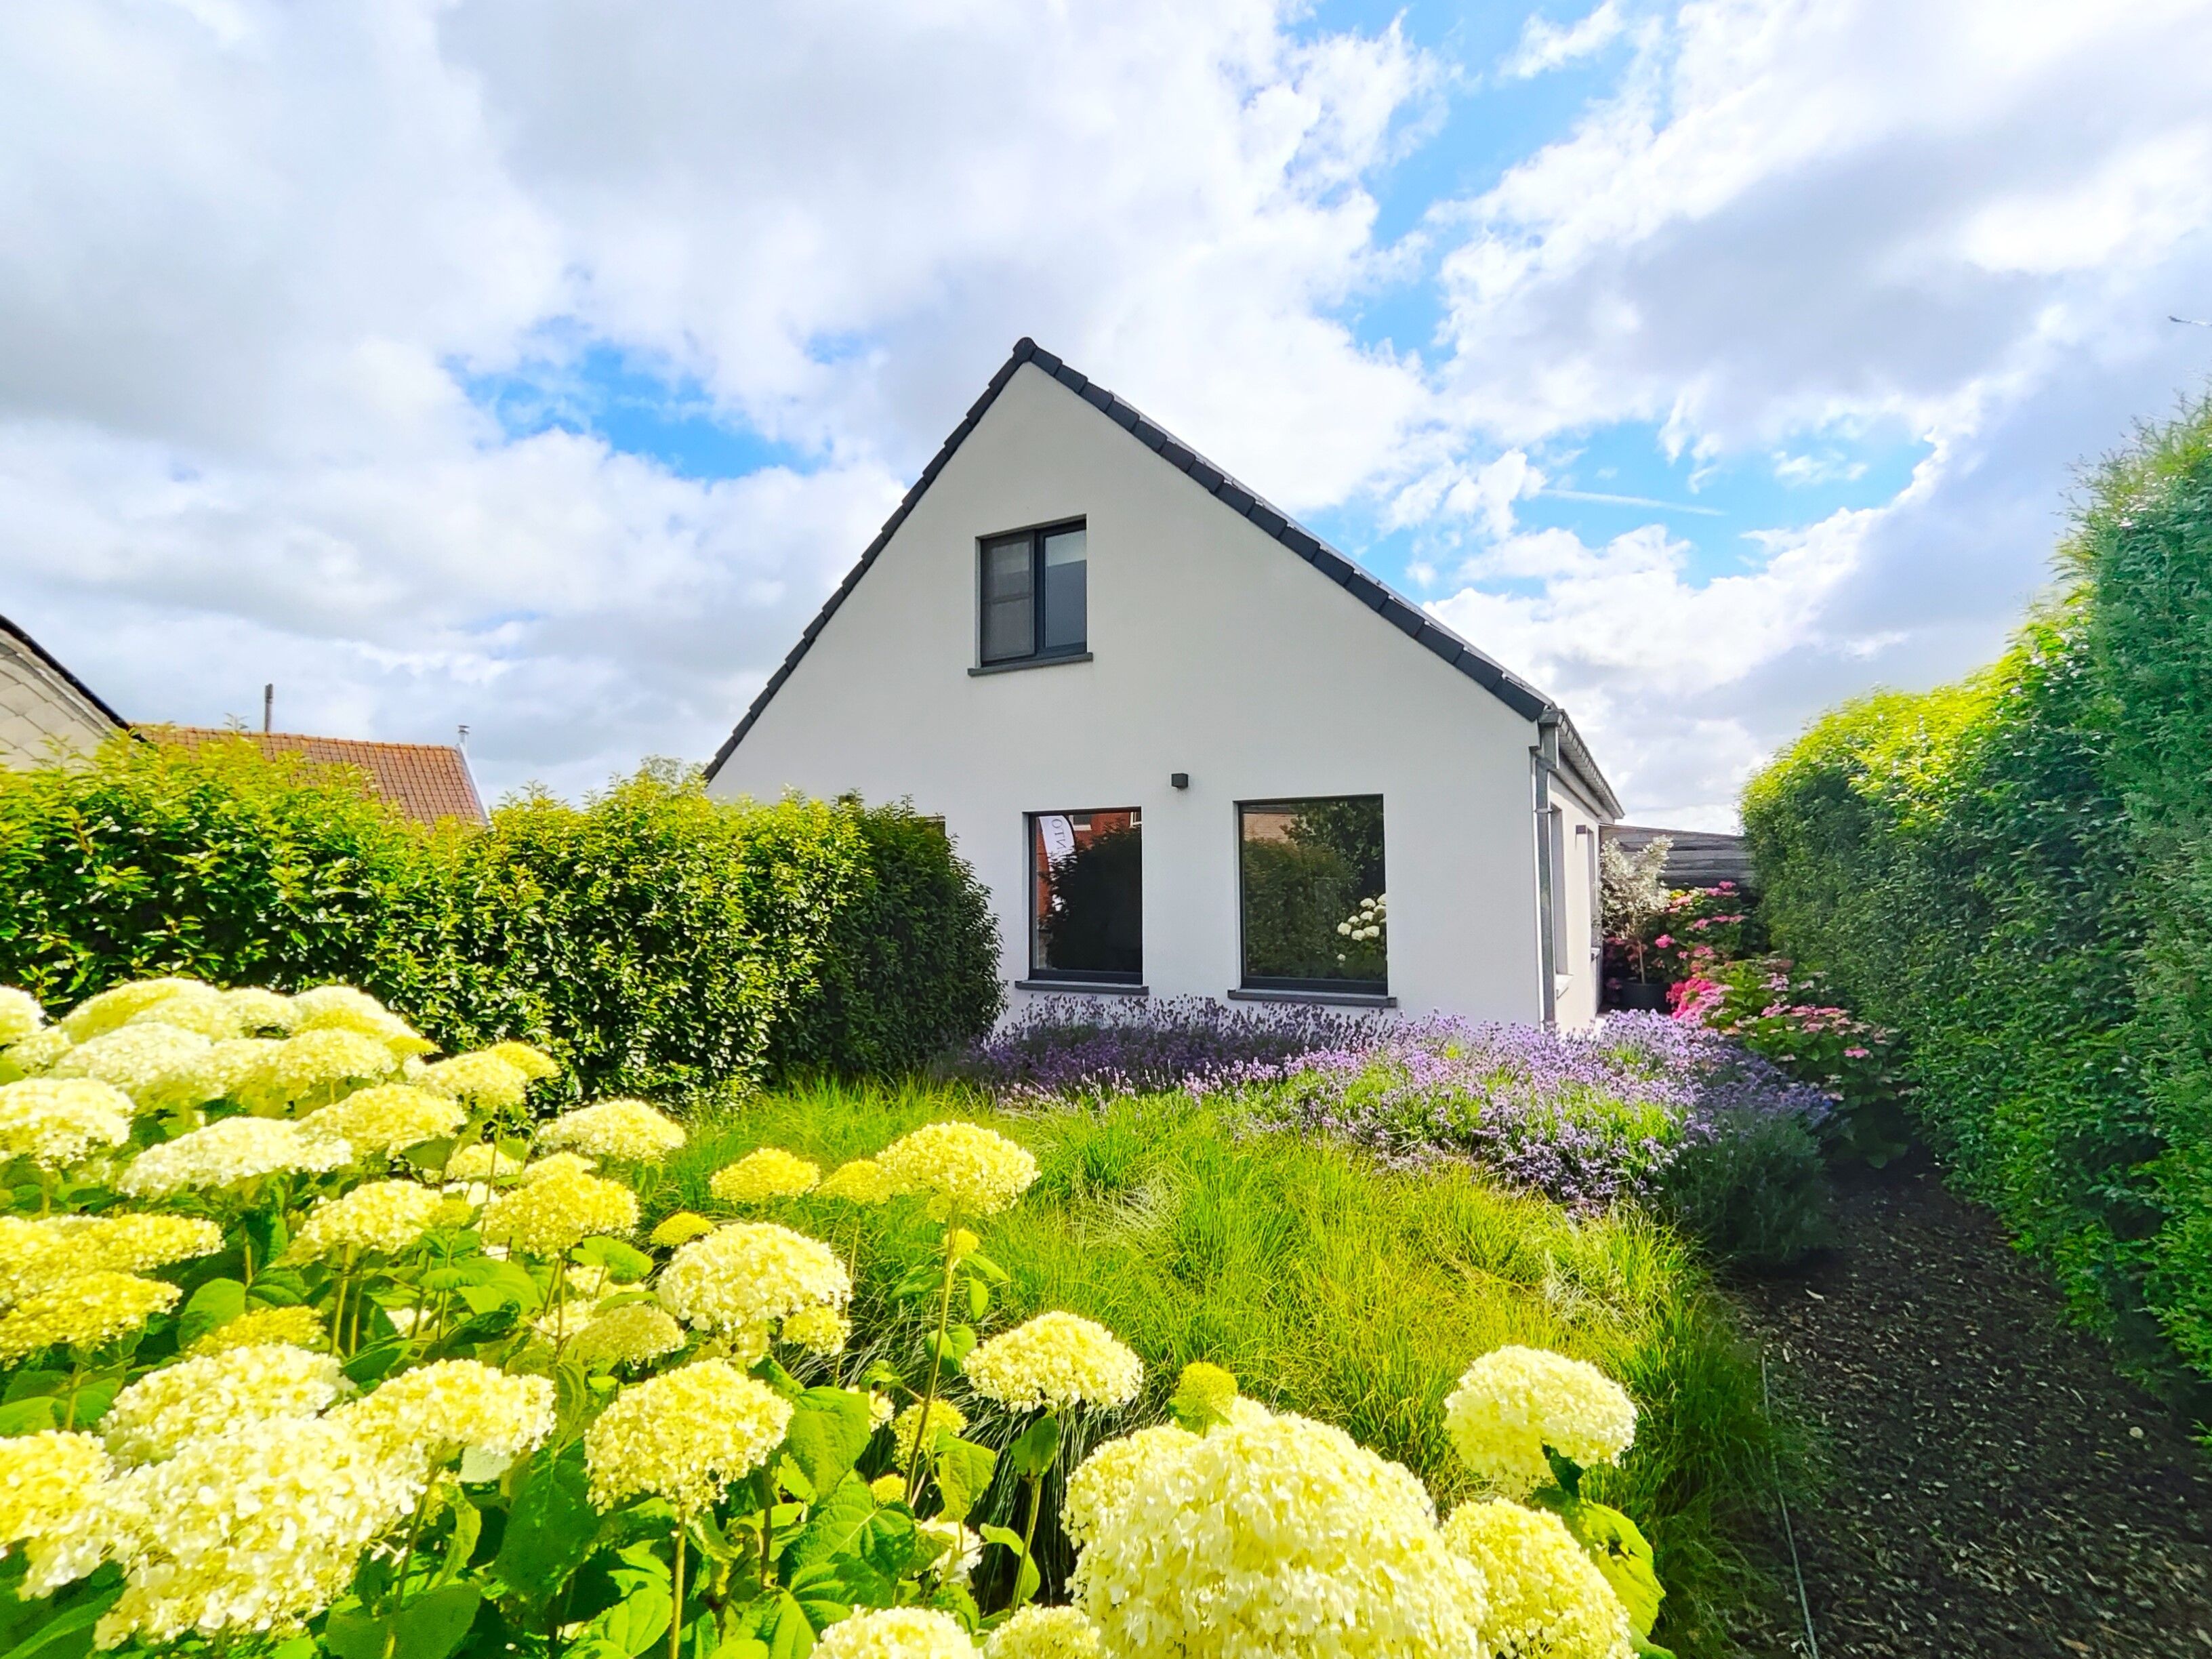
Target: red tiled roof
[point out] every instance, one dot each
(429, 782)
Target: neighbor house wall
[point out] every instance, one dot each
(1216, 652)
(42, 716)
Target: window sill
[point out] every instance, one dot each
(1088, 987)
(1329, 999)
(1027, 662)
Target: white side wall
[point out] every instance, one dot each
(41, 715)
(1216, 652)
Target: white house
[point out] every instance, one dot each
(1189, 748)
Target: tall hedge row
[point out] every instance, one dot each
(2016, 872)
(657, 939)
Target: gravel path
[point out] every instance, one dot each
(1993, 1486)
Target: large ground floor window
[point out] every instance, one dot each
(1316, 914)
(1086, 895)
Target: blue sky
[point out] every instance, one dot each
(539, 366)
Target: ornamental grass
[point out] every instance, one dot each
(490, 1390)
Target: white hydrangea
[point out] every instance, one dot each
(216, 1393)
(225, 1153)
(137, 1058)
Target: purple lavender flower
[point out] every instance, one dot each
(1585, 1117)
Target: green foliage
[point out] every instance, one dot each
(910, 962)
(1753, 1191)
(1329, 1285)
(2014, 874)
(653, 939)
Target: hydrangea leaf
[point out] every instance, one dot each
(964, 1472)
(1039, 1444)
(1028, 1578)
(216, 1302)
(829, 1429)
(430, 1626)
(550, 1527)
(1619, 1550)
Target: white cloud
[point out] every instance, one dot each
(1794, 234)
(1547, 46)
(254, 249)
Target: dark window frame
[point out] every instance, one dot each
(1246, 980)
(1074, 976)
(1037, 534)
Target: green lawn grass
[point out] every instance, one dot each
(1329, 1285)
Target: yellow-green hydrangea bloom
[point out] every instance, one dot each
(818, 1330)
(225, 1072)
(1103, 1482)
(382, 1216)
(629, 1130)
(554, 1163)
(1547, 1598)
(684, 1436)
(251, 1533)
(88, 1310)
(19, 1015)
(481, 1162)
(387, 1118)
(97, 1015)
(681, 1229)
(750, 1275)
(1281, 1537)
(343, 1008)
(945, 1417)
(965, 1169)
(314, 1068)
(225, 1153)
(1046, 1633)
(126, 1242)
(862, 1181)
(1056, 1359)
(1513, 1402)
(888, 1489)
(770, 1172)
(533, 1063)
(32, 1054)
(216, 1393)
(136, 1058)
(301, 1326)
(553, 1216)
(55, 1121)
(482, 1079)
(895, 1633)
(457, 1405)
(632, 1334)
(53, 1492)
(202, 1009)
(255, 1010)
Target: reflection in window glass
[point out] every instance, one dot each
(1316, 910)
(1009, 600)
(1086, 906)
(1065, 598)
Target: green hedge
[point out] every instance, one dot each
(656, 938)
(2016, 872)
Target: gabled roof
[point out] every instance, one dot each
(1516, 693)
(428, 781)
(47, 658)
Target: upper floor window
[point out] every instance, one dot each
(1034, 594)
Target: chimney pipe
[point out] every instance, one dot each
(268, 705)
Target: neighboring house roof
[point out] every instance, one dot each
(428, 781)
(1698, 858)
(54, 663)
(1508, 688)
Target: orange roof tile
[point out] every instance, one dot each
(429, 782)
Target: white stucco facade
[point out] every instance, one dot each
(1214, 651)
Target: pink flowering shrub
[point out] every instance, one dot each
(1698, 932)
(1784, 1015)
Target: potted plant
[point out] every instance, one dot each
(1631, 895)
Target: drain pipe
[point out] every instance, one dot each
(1545, 754)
